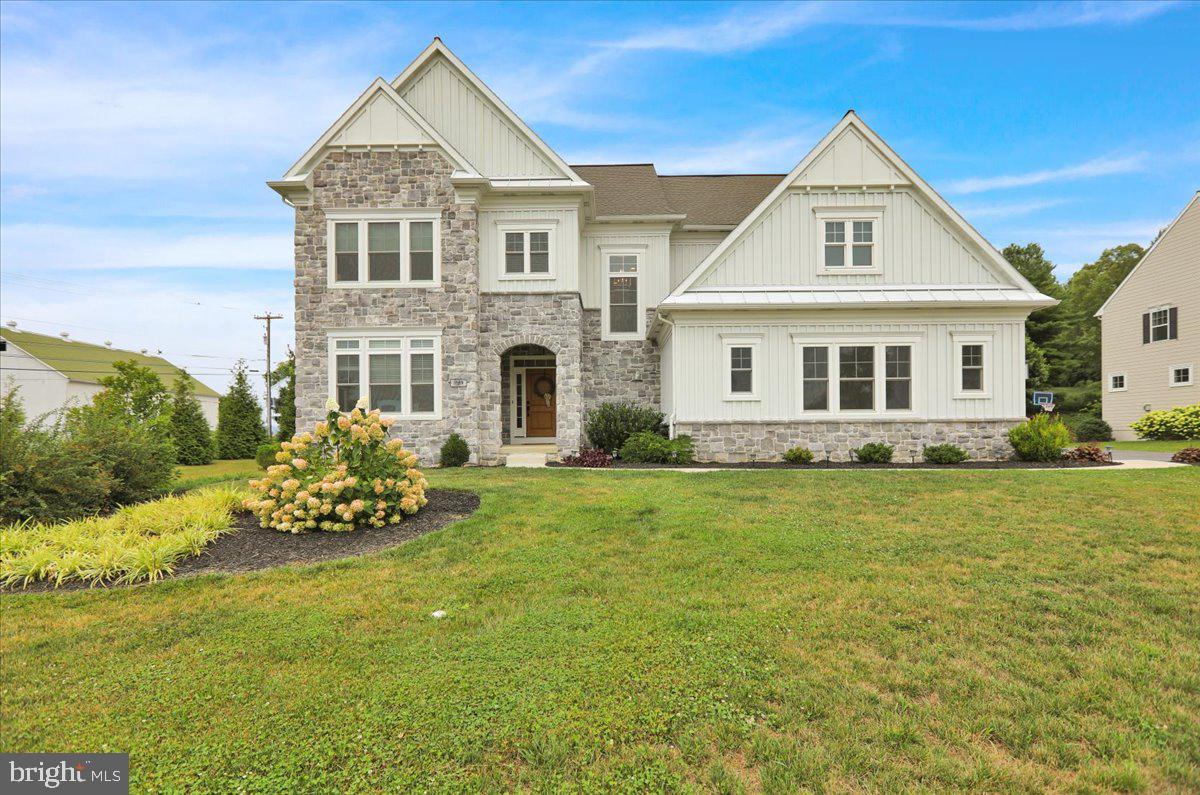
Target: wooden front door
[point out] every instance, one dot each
(541, 400)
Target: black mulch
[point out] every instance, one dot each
(249, 547)
(1064, 464)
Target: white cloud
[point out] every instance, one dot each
(1097, 167)
(33, 246)
(1008, 210)
(1073, 245)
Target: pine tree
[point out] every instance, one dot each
(239, 418)
(189, 429)
(285, 401)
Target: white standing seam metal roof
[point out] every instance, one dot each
(857, 296)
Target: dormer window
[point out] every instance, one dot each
(849, 240)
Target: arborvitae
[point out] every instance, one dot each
(189, 429)
(239, 418)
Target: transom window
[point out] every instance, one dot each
(398, 374)
(399, 252)
(623, 316)
(869, 377)
(850, 244)
(527, 252)
(1181, 375)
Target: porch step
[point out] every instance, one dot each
(525, 460)
(527, 455)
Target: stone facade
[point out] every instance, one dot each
(767, 441)
(624, 371)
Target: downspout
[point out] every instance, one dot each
(671, 418)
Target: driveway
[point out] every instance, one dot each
(1140, 455)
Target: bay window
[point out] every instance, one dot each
(398, 372)
(401, 247)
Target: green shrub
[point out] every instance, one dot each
(610, 424)
(648, 447)
(189, 430)
(1087, 428)
(265, 455)
(1177, 423)
(798, 455)
(239, 418)
(455, 452)
(945, 454)
(1040, 438)
(138, 457)
(874, 453)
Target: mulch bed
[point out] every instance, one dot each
(856, 465)
(248, 547)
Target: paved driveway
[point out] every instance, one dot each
(1140, 455)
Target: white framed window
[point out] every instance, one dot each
(1181, 375)
(849, 240)
(384, 248)
(972, 365)
(852, 376)
(1160, 324)
(1116, 382)
(399, 372)
(741, 364)
(622, 316)
(525, 249)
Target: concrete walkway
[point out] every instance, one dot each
(527, 455)
(1123, 466)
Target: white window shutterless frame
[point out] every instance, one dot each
(400, 372)
(971, 365)
(848, 240)
(526, 249)
(383, 248)
(863, 376)
(623, 315)
(741, 366)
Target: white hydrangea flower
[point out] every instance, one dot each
(331, 404)
(362, 403)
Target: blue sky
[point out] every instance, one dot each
(135, 139)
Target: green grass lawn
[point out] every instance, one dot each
(771, 630)
(189, 477)
(1158, 447)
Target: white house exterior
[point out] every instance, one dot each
(56, 372)
(1150, 329)
(454, 270)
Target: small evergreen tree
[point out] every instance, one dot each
(189, 429)
(239, 418)
(134, 392)
(285, 401)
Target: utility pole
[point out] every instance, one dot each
(267, 339)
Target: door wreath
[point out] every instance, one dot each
(543, 387)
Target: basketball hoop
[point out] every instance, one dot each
(1047, 407)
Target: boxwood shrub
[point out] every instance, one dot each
(874, 453)
(455, 451)
(798, 455)
(945, 454)
(1040, 438)
(610, 424)
(647, 447)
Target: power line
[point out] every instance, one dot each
(32, 281)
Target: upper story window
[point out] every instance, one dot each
(849, 240)
(398, 373)
(1160, 324)
(623, 316)
(400, 251)
(526, 253)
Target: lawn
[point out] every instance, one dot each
(1166, 446)
(189, 477)
(771, 630)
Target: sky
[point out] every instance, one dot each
(135, 139)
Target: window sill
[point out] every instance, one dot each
(1185, 383)
(742, 398)
(406, 417)
(635, 336)
(383, 285)
(524, 277)
(849, 270)
(971, 395)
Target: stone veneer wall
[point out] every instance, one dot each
(391, 179)
(624, 371)
(551, 320)
(766, 441)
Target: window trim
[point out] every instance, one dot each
(958, 341)
(728, 343)
(1124, 382)
(364, 218)
(847, 215)
(503, 228)
(364, 336)
(1165, 326)
(880, 343)
(606, 275)
(1171, 375)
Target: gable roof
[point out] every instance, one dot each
(438, 50)
(721, 200)
(86, 362)
(877, 164)
(1149, 252)
(626, 189)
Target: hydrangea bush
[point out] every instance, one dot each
(343, 474)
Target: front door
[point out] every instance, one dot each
(540, 403)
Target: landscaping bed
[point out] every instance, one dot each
(1064, 464)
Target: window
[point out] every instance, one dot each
(1116, 382)
(972, 365)
(856, 382)
(741, 370)
(1181, 375)
(864, 244)
(623, 312)
(1160, 324)
(398, 373)
(527, 253)
(835, 244)
(815, 364)
(849, 239)
(972, 368)
(898, 377)
(400, 251)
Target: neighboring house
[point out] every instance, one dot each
(454, 270)
(53, 372)
(1150, 329)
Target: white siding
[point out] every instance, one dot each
(654, 284)
(687, 252)
(42, 389)
(380, 121)
(564, 249)
(917, 245)
(699, 388)
(666, 362)
(474, 125)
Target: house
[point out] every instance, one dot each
(54, 372)
(455, 271)
(1150, 329)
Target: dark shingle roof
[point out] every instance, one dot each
(710, 200)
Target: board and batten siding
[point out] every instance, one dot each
(655, 275)
(666, 359)
(916, 245)
(563, 224)
(473, 124)
(687, 253)
(699, 370)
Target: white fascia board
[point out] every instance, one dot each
(1146, 256)
(437, 47)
